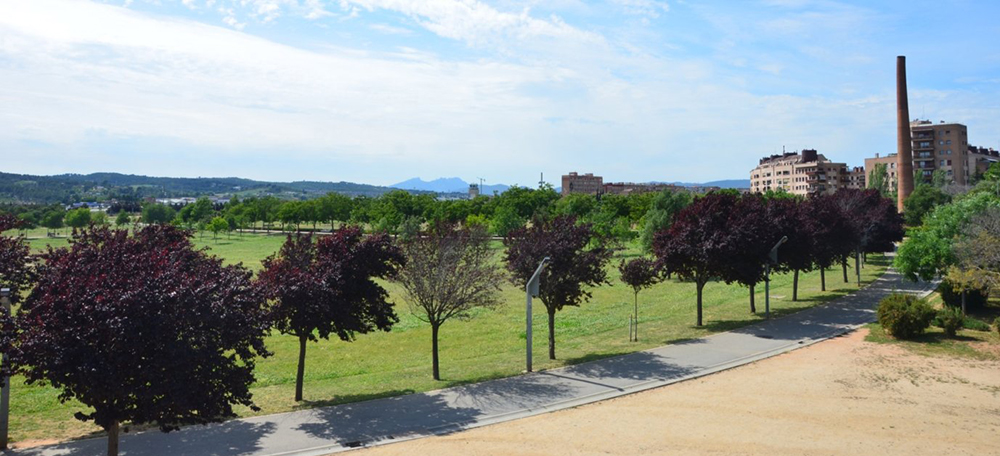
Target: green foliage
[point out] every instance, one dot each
(879, 179)
(996, 324)
(505, 220)
(975, 324)
(218, 225)
(661, 214)
(904, 316)
(157, 214)
(951, 294)
(78, 218)
(928, 250)
(950, 320)
(578, 205)
(53, 220)
(122, 219)
(924, 199)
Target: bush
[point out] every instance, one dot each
(904, 316)
(950, 320)
(996, 324)
(975, 324)
(973, 298)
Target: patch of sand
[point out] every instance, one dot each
(840, 397)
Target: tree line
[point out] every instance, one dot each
(144, 328)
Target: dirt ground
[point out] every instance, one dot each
(840, 397)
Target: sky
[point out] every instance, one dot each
(379, 91)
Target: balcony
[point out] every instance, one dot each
(927, 135)
(923, 145)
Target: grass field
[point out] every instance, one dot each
(488, 346)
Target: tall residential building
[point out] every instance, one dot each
(808, 173)
(939, 146)
(473, 191)
(582, 183)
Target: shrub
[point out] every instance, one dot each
(973, 298)
(950, 320)
(975, 324)
(996, 324)
(904, 316)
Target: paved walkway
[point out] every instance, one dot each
(343, 427)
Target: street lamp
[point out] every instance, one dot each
(772, 259)
(531, 289)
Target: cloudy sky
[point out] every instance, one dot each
(379, 91)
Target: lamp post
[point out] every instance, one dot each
(531, 289)
(5, 391)
(772, 259)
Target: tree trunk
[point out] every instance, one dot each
(552, 333)
(635, 333)
(113, 439)
(795, 286)
(302, 367)
(963, 303)
(843, 263)
(701, 285)
(753, 306)
(434, 350)
(822, 279)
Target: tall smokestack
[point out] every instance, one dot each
(904, 147)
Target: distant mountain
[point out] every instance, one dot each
(447, 185)
(69, 188)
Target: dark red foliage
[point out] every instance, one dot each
(142, 328)
(875, 223)
(699, 244)
(572, 265)
(834, 236)
(753, 236)
(789, 217)
(16, 272)
(639, 273)
(327, 287)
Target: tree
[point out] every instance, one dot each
(53, 220)
(449, 271)
(218, 225)
(99, 218)
(921, 201)
(16, 272)
(572, 265)
(122, 219)
(753, 237)
(789, 218)
(78, 218)
(506, 220)
(157, 214)
(879, 179)
(201, 210)
(638, 273)
(328, 287)
(696, 247)
(164, 334)
(977, 255)
(833, 234)
(661, 214)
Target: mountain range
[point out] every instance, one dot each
(447, 185)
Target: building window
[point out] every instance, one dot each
(948, 142)
(949, 162)
(942, 162)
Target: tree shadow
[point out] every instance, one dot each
(350, 398)
(231, 438)
(356, 425)
(638, 366)
(511, 394)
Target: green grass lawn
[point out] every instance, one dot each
(490, 345)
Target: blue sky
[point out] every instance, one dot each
(379, 91)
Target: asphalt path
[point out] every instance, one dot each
(344, 427)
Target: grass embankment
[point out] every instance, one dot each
(491, 345)
(967, 343)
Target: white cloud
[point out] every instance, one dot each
(649, 8)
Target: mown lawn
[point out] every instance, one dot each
(488, 346)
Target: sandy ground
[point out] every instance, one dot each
(843, 396)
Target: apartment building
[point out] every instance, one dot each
(805, 173)
(582, 183)
(940, 146)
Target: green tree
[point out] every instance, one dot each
(218, 225)
(578, 205)
(157, 214)
(53, 220)
(78, 218)
(202, 210)
(99, 218)
(921, 201)
(122, 219)
(505, 220)
(879, 179)
(928, 250)
(661, 214)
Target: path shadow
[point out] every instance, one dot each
(356, 425)
(639, 366)
(231, 438)
(511, 394)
